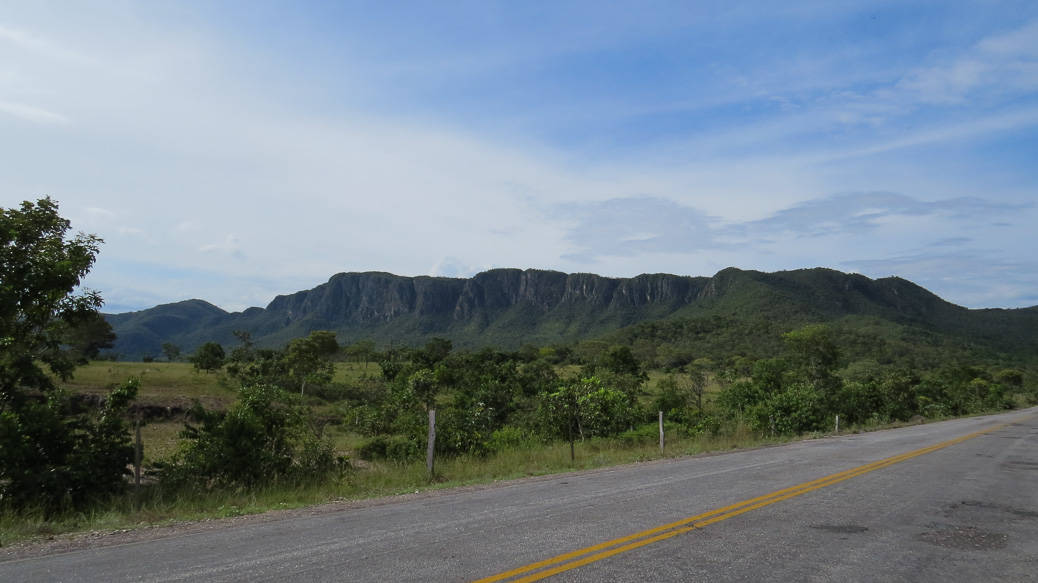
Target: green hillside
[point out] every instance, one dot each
(735, 312)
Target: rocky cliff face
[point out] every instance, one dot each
(366, 298)
(506, 307)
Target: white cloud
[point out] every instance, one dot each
(192, 134)
(230, 245)
(32, 113)
(1004, 63)
(35, 43)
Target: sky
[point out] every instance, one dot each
(234, 151)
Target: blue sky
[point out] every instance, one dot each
(235, 151)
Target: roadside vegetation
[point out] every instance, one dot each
(240, 429)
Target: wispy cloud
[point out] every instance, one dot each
(35, 43)
(579, 137)
(634, 226)
(32, 113)
(858, 213)
(972, 278)
(999, 64)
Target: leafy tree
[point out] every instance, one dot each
(208, 357)
(696, 385)
(559, 413)
(814, 354)
(620, 360)
(243, 352)
(604, 411)
(585, 407)
(172, 351)
(309, 359)
(435, 350)
(86, 339)
(676, 395)
(361, 351)
(51, 455)
(40, 268)
(423, 385)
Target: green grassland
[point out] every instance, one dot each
(163, 384)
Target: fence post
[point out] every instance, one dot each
(661, 432)
(138, 452)
(432, 441)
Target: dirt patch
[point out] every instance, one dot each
(990, 506)
(1020, 465)
(841, 528)
(964, 538)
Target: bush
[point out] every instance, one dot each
(54, 458)
(796, 410)
(645, 433)
(390, 447)
(509, 438)
(262, 438)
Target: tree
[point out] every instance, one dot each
(309, 360)
(435, 350)
(361, 351)
(208, 357)
(424, 386)
(620, 360)
(86, 339)
(172, 351)
(51, 456)
(40, 269)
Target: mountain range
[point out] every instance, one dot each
(506, 308)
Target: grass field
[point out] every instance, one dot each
(166, 384)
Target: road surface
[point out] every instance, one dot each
(949, 501)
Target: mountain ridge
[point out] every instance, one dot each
(508, 307)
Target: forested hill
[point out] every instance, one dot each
(505, 308)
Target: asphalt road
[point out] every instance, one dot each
(914, 504)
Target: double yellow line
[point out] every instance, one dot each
(578, 558)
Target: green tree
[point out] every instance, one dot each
(50, 455)
(423, 385)
(172, 351)
(208, 357)
(309, 359)
(815, 355)
(361, 351)
(559, 413)
(433, 353)
(620, 360)
(86, 339)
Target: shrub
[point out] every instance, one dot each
(509, 438)
(390, 447)
(262, 438)
(796, 410)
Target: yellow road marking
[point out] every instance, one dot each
(591, 554)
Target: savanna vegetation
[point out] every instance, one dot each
(240, 428)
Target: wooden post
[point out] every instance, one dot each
(138, 452)
(572, 451)
(661, 432)
(837, 424)
(432, 441)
